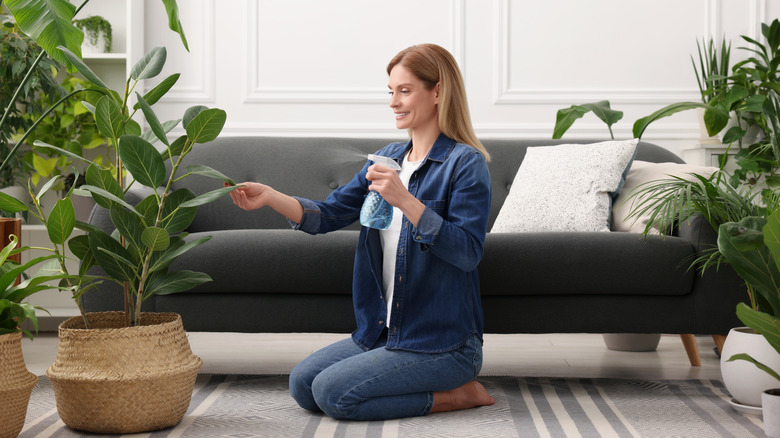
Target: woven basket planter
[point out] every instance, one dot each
(116, 379)
(16, 384)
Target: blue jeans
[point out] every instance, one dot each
(348, 383)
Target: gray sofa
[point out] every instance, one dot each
(269, 278)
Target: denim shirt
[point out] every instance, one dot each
(436, 300)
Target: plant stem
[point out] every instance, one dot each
(150, 252)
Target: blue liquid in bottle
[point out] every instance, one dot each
(376, 212)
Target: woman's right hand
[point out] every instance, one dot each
(251, 195)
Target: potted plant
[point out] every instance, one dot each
(733, 103)
(16, 382)
(17, 55)
(152, 388)
(97, 33)
(711, 73)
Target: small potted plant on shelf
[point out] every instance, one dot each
(97, 34)
(138, 255)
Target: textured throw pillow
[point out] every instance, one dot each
(642, 172)
(567, 187)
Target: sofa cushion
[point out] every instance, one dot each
(588, 263)
(273, 261)
(643, 172)
(568, 187)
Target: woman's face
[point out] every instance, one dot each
(414, 106)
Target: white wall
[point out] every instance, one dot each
(312, 67)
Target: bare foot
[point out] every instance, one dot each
(470, 395)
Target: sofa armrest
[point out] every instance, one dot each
(716, 290)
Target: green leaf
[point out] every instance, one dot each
(129, 225)
(83, 68)
(62, 221)
(733, 134)
(209, 197)
(142, 160)
(173, 20)
(151, 136)
(190, 113)
(199, 169)
(176, 218)
(148, 208)
(179, 281)
(175, 250)
(175, 149)
(766, 325)
(156, 239)
(771, 235)
(565, 118)
(46, 187)
(48, 22)
(9, 204)
(112, 256)
(761, 366)
(603, 111)
(151, 118)
(108, 117)
(751, 259)
(206, 126)
(642, 124)
(715, 119)
(153, 95)
(79, 246)
(150, 65)
(103, 179)
(61, 151)
(110, 196)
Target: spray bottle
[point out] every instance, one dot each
(376, 212)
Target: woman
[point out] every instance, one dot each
(418, 344)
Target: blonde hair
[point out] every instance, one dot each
(433, 64)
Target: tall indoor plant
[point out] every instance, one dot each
(110, 396)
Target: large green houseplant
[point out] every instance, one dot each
(148, 238)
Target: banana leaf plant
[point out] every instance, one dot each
(148, 236)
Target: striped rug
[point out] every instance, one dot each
(249, 406)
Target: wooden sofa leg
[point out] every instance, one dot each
(689, 342)
(719, 340)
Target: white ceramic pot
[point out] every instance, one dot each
(770, 400)
(743, 380)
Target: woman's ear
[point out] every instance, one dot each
(436, 92)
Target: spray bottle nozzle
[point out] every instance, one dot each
(384, 161)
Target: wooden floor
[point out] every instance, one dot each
(558, 355)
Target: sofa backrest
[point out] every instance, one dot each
(312, 167)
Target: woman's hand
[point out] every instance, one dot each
(387, 183)
(250, 195)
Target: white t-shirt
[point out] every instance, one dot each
(391, 235)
